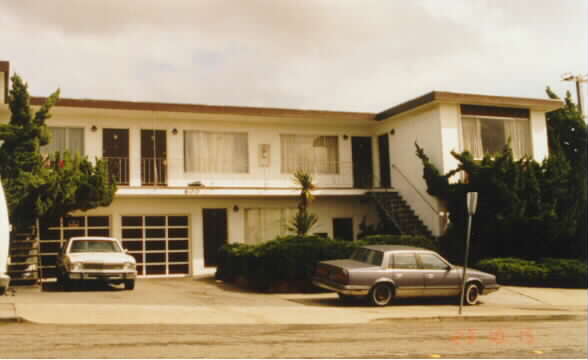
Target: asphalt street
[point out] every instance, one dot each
(379, 339)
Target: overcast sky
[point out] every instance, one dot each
(364, 55)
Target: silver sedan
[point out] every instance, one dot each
(385, 272)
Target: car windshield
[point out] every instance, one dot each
(369, 256)
(82, 246)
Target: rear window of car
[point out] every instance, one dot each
(369, 256)
(81, 246)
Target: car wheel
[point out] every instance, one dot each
(381, 294)
(129, 284)
(472, 292)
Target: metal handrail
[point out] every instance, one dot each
(415, 189)
(119, 169)
(153, 171)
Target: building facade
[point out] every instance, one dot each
(193, 177)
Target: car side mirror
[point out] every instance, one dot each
(126, 251)
(449, 267)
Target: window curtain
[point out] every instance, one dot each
(518, 133)
(472, 137)
(314, 154)
(62, 139)
(215, 152)
(266, 224)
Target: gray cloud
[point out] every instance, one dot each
(331, 54)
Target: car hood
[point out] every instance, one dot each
(474, 272)
(101, 257)
(349, 264)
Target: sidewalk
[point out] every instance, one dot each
(189, 301)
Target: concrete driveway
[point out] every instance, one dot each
(206, 301)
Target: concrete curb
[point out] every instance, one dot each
(526, 317)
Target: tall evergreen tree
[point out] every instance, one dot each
(39, 186)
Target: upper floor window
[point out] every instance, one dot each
(315, 154)
(486, 129)
(489, 135)
(215, 152)
(65, 139)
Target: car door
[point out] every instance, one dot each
(406, 275)
(439, 278)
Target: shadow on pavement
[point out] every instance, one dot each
(86, 286)
(335, 301)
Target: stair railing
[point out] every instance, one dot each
(416, 190)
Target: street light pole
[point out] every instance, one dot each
(578, 79)
(472, 203)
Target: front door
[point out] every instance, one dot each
(406, 275)
(215, 233)
(153, 157)
(343, 229)
(115, 150)
(384, 150)
(361, 154)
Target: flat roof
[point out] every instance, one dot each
(470, 99)
(205, 109)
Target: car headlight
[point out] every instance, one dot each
(75, 266)
(129, 266)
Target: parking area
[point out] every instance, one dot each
(207, 301)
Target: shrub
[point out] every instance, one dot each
(545, 272)
(292, 259)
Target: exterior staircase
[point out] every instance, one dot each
(398, 212)
(23, 263)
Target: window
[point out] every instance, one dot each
(405, 261)
(485, 135)
(315, 154)
(369, 256)
(432, 262)
(266, 224)
(216, 152)
(65, 139)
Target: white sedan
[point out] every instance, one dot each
(95, 259)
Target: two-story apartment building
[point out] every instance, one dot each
(193, 177)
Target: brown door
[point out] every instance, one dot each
(215, 233)
(384, 148)
(153, 157)
(115, 150)
(361, 153)
(343, 229)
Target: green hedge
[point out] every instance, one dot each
(292, 259)
(544, 272)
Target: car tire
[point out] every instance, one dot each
(381, 294)
(472, 293)
(129, 284)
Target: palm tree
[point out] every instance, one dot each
(302, 222)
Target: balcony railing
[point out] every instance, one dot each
(153, 171)
(118, 168)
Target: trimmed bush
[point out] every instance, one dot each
(545, 272)
(289, 262)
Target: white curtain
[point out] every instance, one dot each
(315, 154)
(266, 224)
(62, 139)
(216, 152)
(472, 137)
(518, 133)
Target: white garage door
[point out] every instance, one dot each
(160, 244)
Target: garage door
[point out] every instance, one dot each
(160, 244)
(54, 233)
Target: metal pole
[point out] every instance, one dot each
(580, 95)
(465, 265)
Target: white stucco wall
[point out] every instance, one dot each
(539, 135)
(326, 208)
(2, 80)
(424, 128)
